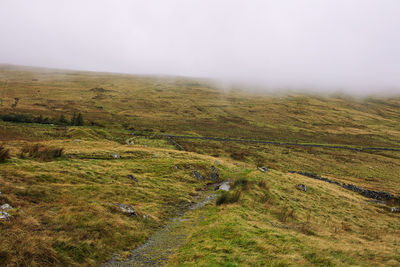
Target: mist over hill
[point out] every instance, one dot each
(329, 46)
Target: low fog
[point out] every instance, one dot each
(331, 45)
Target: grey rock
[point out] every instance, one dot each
(301, 187)
(225, 186)
(395, 209)
(155, 156)
(4, 215)
(198, 176)
(129, 210)
(263, 169)
(5, 207)
(129, 142)
(133, 178)
(214, 176)
(115, 156)
(217, 162)
(77, 140)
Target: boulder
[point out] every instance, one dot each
(395, 209)
(301, 187)
(214, 176)
(263, 169)
(5, 207)
(133, 178)
(115, 156)
(4, 215)
(198, 176)
(225, 186)
(129, 210)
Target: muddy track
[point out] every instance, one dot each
(166, 241)
(276, 143)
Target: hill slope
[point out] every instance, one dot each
(67, 210)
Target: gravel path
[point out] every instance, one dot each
(163, 243)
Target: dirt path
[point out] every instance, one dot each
(163, 243)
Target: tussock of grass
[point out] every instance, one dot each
(40, 152)
(4, 153)
(228, 198)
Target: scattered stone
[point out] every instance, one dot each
(225, 186)
(133, 178)
(5, 207)
(0, 193)
(129, 210)
(217, 163)
(214, 176)
(77, 140)
(198, 176)
(301, 187)
(115, 156)
(263, 169)
(155, 156)
(395, 209)
(129, 142)
(4, 215)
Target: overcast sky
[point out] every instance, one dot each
(325, 44)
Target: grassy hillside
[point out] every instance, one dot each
(180, 105)
(65, 208)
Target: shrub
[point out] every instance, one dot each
(242, 182)
(228, 197)
(41, 152)
(238, 155)
(262, 184)
(16, 118)
(265, 197)
(4, 153)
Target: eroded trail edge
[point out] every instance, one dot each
(164, 242)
